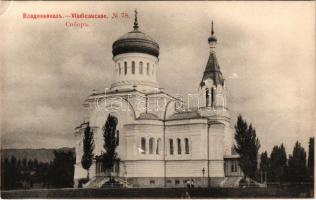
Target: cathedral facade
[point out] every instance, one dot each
(160, 142)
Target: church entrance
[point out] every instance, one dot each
(101, 170)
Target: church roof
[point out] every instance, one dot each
(135, 42)
(147, 116)
(185, 115)
(212, 71)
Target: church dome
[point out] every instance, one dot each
(135, 42)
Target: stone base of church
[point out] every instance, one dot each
(169, 182)
(173, 182)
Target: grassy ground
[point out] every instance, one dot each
(272, 192)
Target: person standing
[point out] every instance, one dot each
(188, 184)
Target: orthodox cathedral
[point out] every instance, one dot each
(159, 142)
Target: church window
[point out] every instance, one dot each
(179, 146)
(119, 67)
(141, 67)
(186, 144)
(212, 95)
(158, 146)
(207, 96)
(151, 145)
(143, 145)
(147, 68)
(125, 68)
(133, 67)
(171, 146)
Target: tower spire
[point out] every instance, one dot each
(135, 20)
(212, 31)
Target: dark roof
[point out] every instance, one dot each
(147, 116)
(212, 39)
(135, 42)
(185, 115)
(212, 71)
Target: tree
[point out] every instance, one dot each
(61, 172)
(88, 146)
(264, 164)
(24, 164)
(310, 163)
(9, 173)
(110, 142)
(297, 170)
(247, 146)
(278, 165)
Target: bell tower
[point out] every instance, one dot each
(212, 86)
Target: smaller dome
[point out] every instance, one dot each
(212, 39)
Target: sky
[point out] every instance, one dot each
(266, 51)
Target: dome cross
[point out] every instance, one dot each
(212, 31)
(135, 21)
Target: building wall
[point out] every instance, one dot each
(148, 170)
(142, 168)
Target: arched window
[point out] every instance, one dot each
(158, 146)
(141, 67)
(133, 67)
(207, 97)
(212, 95)
(147, 68)
(151, 145)
(125, 68)
(143, 145)
(153, 69)
(186, 146)
(179, 145)
(171, 146)
(119, 67)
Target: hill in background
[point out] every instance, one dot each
(42, 155)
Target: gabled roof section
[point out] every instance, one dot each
(148, 116)
(212, 71)
(185, 115)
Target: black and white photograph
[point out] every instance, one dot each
(157, 99)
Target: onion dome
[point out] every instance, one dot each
(135, 42)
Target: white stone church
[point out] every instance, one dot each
(161, 142)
